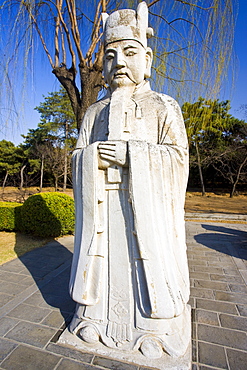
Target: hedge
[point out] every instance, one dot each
(48, 214)
(9, 215)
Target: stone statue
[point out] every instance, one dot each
(130, 167)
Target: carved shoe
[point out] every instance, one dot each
(151, 348)
(89, 334)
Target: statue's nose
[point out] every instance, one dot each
(120, 59)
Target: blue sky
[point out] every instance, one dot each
(239, 94)
(41, 85)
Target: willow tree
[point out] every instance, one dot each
(205, 122)
(192, 47)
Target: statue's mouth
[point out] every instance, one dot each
(120, 74)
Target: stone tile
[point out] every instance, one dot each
(211, 355)
(70, 352)
(30, 333)
(212, 270)
(231, 297)
(12, 268)
(6, 346)
(227, 278)
(29, 313)
(222, 336)
(233, 322)
(63, 303)
(27, 281)
(206, 317)
(214, 285)
(113, 364)
(242, 309)
(7, 323)
(202, 293)
(66, 364)
(244, 274)
(196, 262)
(5, 298)
(223, 264)
(238, 288)
(12, 277)
(36, 299)
(55, 319)
(27, 358)
(213, 254)
(6, 287)
(237, 359)
(200, 275)
(232, 272)
(216, 306)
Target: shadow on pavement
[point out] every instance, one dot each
(49, 266)
(224, 239)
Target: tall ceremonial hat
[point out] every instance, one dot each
(126, 24)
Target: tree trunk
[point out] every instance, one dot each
(56, 182)
(91, 84)
(200, 169)
(22, 178)
(65, 158)
(5, 179)
(41, 173)
(237, 177)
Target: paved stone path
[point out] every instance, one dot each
(35, 305)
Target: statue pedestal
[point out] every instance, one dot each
(165, 362)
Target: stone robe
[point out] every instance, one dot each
(129, 273)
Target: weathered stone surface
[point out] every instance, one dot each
(237, 288)
(5, 298)
(233, 322)
(237, 359)
(130, 273)
(66, 364)
(27, 358)
(222, 336)
(216, 306)
(6, 346)
(212, 355)
(54, 319)
(214, 285)
(207, 317)
(113, 364)
(242, 309)
(27, 312)
(30, 333)
(70, 352)
(231, 297)
(227, 278)
(202, 293)
(7, 323)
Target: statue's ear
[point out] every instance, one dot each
(149, 59)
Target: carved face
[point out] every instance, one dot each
(126, 63)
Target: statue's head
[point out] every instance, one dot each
(127, 57)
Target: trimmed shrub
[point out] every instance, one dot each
(48, 214)
(9, 215)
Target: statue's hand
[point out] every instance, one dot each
(113, 152)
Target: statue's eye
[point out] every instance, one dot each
(130, 53)
(109, 55)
